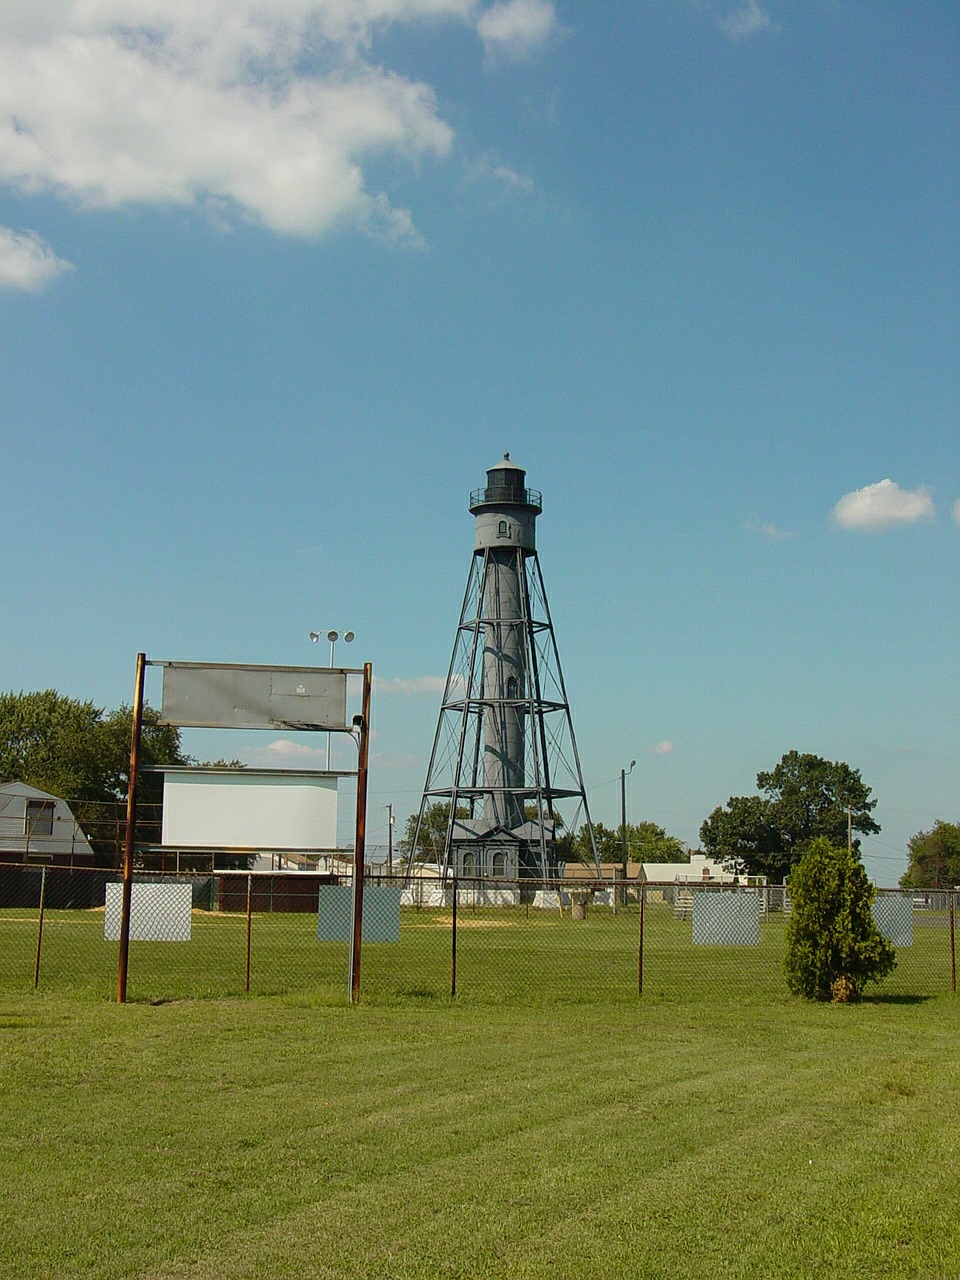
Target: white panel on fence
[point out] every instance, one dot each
(727, 919)
(158, 912)
(475, 895)
(893, 914)
(381, 913)
(550, 899)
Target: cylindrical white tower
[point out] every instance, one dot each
(505, 511)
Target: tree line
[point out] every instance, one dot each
(803, 799)
(81, 752)
(646, 841)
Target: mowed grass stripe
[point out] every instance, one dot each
(547, 1161)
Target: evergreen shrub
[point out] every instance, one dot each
(834, 947)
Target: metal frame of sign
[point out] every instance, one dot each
(265, 700)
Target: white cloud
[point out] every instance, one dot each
(883, 506)
(412, 685)
(295, 750)
(513, 29)
(746, 21)
(956, 511)
(663, 748)
(27, 262)
(770, 530)
(499, 178)
(266, 108)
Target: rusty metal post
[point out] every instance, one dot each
(43, 894)
(246, 981)
(953, 947)
(359, 844)
(643, 894)
(453, 950)
(132, 778)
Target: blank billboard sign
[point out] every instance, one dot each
(205, 695)
(248, 809)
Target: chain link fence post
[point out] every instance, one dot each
(246, 981)
(453, 945)
(43, 895)
(640, 945)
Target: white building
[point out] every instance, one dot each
(699, 870)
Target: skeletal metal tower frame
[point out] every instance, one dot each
(484, 711)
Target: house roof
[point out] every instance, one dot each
(478, 829)
(24, 789)
(608, 871)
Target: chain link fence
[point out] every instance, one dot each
(227, 933)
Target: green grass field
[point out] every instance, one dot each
(546, 1123)
(279, 1137)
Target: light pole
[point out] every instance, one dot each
(624, 775)
(333, 637)
(389, 809)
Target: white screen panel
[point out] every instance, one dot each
(249, 810)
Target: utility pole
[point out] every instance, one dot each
(624, 774)
(389, 809)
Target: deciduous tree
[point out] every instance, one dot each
(77, 750)
(433, 832)
(934, 858)
(806, 798)
(646, 842)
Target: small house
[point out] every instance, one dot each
(37, 827)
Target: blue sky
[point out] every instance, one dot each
(280, 280)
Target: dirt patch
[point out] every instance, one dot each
(470, 922)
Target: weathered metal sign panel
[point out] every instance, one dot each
(201, 695)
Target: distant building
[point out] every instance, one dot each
(699, 870)
(37, 827)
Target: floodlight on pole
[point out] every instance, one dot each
(624, 775)
(333, 637)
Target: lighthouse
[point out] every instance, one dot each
(504, 758)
